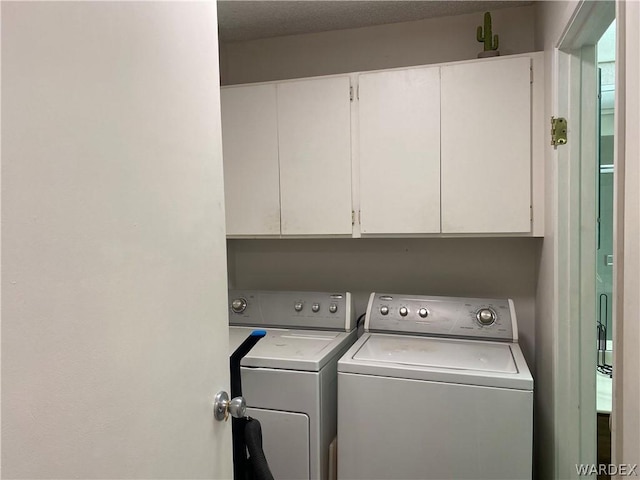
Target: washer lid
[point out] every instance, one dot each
(439, 353)
(307, 350)
(472, 362)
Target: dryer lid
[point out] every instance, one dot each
(307, 350)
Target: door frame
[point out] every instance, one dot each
(625, 434)
(575, 339)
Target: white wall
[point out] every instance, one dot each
(369, 48)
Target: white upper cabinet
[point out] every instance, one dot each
(314, 138)
(399, 135)
(250, 147)
(486, 146)
(453, 149)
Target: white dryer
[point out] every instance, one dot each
(436, 388)
(289, 379)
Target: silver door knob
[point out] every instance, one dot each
(223, 407)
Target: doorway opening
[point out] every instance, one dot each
(606, 57)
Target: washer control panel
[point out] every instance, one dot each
(442, 316)
(319, 310)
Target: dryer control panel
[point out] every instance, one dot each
(442, 316)
(317, 310)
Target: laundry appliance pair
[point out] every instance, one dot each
(435, 388)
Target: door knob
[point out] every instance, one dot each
(223, 407)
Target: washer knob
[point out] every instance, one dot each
(315, 308)
(298, 306)
(486, 316)
(384, 310)
(238, 305)
(333, 308)
(404, 311)
(423, 312)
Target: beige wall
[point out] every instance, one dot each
(369, 48)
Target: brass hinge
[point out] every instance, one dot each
(558, 131)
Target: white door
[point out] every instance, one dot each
(399, 118)
(314, 130)
(486, 146)
(251, 170)
(114, 319)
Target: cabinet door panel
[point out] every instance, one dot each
(400, 151)
(250, 146)
(486, 147)
(314, 131)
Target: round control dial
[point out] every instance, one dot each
(404, 311)
(486, 317)
(333, 308)
(423, 312)
(315, 308)
(298, 306)
(384, 310)
(238, 305)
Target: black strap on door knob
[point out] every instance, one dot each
(241, 466)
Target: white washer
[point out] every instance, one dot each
(289, 379)
(436, 388)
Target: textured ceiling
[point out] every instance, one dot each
(247, 20)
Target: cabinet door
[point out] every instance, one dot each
(314, 131)
(399, 123)
(250, 147)
(486, 147)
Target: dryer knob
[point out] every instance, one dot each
(298, 306)
(404, 311)
(384, 310)
(423, 312)
(333, 308)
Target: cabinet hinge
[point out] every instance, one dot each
(531, 213)
(353, 217)
(351, 93)
(531, 75)
(558, 131)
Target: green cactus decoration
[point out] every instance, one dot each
(490, 44)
